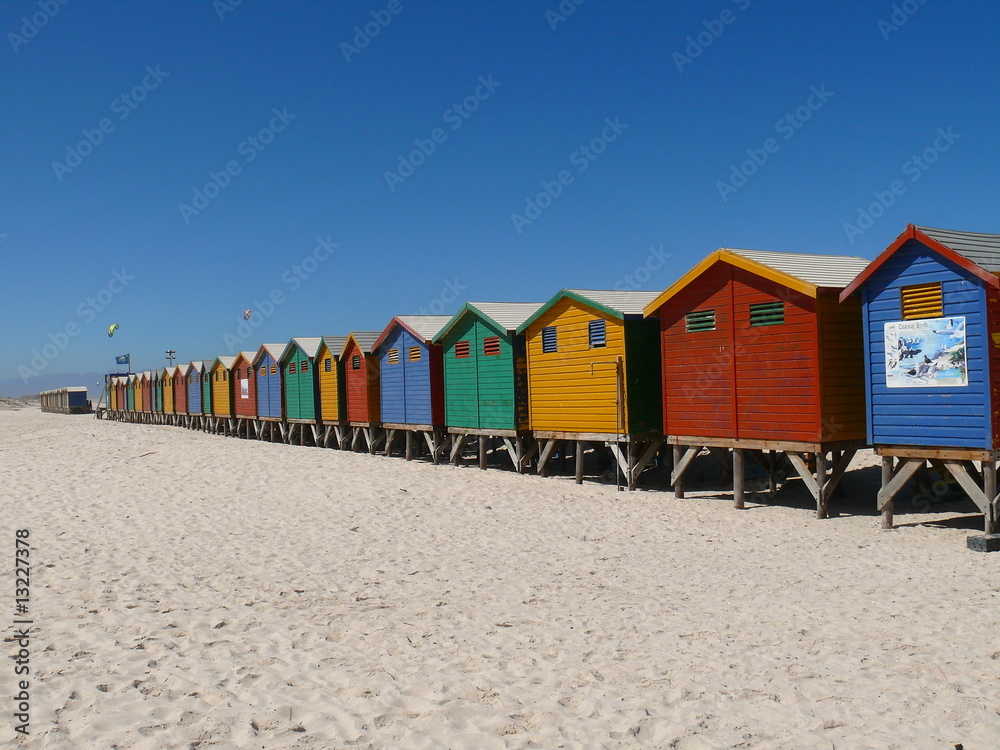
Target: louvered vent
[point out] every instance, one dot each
(549, 343)
(699, 320)
(767, 313)
(921, 301)
(597, 334)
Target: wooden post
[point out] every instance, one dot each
(738, 479)
(886, 477)
(990, 490)
(482, 452)
(630, 462)
(679, 483)
(579, 461)
(822, 507)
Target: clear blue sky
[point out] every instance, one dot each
(657, 184)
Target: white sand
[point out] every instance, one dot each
(197, 591)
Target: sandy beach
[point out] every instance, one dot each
(194, 591)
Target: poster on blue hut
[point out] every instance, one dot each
(926, 353)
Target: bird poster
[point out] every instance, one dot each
(928, 353)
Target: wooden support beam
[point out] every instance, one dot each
(798, 462)
(545, 455)
(579, 461)
(682, 460)
(645, 457)
(482, 452)
(739, 477)
(438, 445)
(616, 451)
(409, 446)
(843, 460)
(990, 490)
(906, 468)
(457, 444)
(823, 495)
(887, 469)
(983, 497)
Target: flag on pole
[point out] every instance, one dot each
(124, 359)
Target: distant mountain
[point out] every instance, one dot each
(16, 387)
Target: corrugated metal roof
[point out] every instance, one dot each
(834, 271)
(426, 326)
(507, 315)
(626, 302)
(309, 344)
(981, 249)
(366, 340)
(335, 344)
(226, 361)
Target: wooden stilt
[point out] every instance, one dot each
(409, 446)
(482, 452)
(738, 479)
(990, 491)
(579, 461)
(822, 496)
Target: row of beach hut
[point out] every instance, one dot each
(795, 361)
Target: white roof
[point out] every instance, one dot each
(310, 345)
(836, 271)
(275, 350)
(508, 315)
(426, 326)
(627, 302)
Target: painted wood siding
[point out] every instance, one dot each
(841, 368)
(946, 417)
(300, 386)
(132, 400)
(331, 394)
(362, 385)
(268, 388)
(194, 393)
(498, 380)
(244, 406)
(180, 394)
(777, 366)
(206, 392)
(221, 392)
(168, 395)
(698, 391)
(461, 376)
(564, 394)
(147, 395)
(157, 388)
(412, 392)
